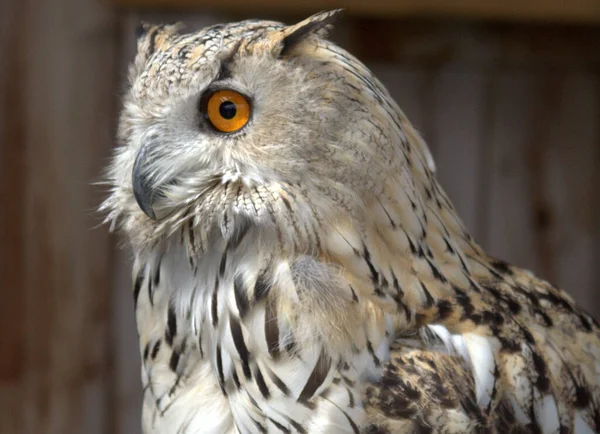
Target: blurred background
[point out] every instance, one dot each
(507, 94)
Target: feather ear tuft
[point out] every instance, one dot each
(318, 24)
(150, 37)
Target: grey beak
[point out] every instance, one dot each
(142, 185)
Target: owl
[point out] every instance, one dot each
(299, 269)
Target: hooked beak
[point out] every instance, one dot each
(142, 184)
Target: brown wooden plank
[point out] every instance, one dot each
(510, 231)
(543, 190)
(572, 160)
(57, 112)
(548, 10)
(127, 393)
(12, 180)
(457, 140)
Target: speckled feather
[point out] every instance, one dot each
(308, 273)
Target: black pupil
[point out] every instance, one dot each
(227, 110)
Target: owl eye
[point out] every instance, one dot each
(227, 110)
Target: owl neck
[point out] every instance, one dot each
(409, 249)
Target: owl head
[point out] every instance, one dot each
(255, 122)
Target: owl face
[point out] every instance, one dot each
(246, 121)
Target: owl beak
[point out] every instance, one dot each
(142, 185)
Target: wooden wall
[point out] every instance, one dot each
(511, 112)
(57, 105)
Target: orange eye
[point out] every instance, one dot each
(228, 110)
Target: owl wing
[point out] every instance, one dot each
(518, 353)
(421, 390)
(432, 384)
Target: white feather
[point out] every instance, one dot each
(581, 426)
(442, 332)
(546, 414)
(520, 414)
(481, 354)
(460, 347)
(201, 407)
(454, 343)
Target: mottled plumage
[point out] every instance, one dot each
(307, 273)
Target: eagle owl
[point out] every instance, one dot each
(298, 268)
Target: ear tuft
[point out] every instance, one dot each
(150, 37)
(318, 24)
